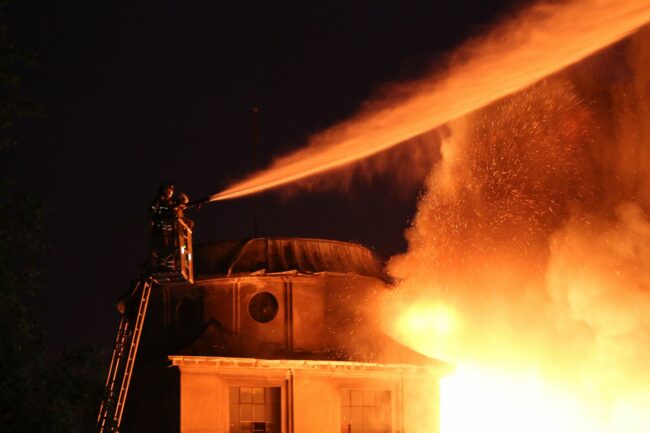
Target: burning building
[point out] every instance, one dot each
(527, 265)
(272, 335)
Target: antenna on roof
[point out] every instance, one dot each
(255, 110)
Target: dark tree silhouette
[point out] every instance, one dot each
(40, 390)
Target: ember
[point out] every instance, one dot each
(535, 230)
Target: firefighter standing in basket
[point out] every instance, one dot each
(165, 211)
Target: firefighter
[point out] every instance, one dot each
(164, 212)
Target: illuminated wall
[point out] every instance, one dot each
(219, 395)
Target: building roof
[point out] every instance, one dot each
(278, 255)
(368, 345)
(201, 362)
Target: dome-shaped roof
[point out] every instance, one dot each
(276, 255)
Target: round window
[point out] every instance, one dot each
(263, 307)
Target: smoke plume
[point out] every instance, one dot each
(530, 250)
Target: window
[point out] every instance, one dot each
(263, 307)
(254, 410)
(365, 411)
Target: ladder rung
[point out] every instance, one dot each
(112, 406)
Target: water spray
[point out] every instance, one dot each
(541, 41)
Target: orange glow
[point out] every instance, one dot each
(529, 256)
(539, 42)
(477, 399)
(437, 319)
(534, 234)
(426, 326)
(489, 398)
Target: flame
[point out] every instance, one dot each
(542, 40)
(529, 257)
(534, 236)
(437, 319)
(478, 399)
(427, 326)
(490, 398)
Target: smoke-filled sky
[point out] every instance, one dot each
(137, 93)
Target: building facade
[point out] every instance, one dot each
(280, 336)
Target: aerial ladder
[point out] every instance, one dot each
(129, 330)
(123, 360)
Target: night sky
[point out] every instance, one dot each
(135, 93)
